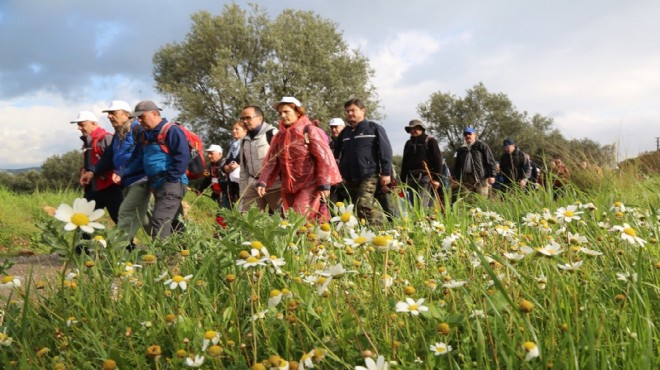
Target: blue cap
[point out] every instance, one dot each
(469, 130)
(508, 141)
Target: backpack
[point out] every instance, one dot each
(197, 165)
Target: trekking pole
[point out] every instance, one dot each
(435, 191)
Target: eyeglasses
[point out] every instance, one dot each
(247, 118)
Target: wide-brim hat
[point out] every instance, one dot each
(415, 123)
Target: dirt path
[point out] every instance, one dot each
(42, 267)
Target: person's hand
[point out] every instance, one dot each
(116, 178)
(385, 180)
(523, 183)
(261, 191)
(325, 194)
(86, 178)
(491, 180)
(230, 167)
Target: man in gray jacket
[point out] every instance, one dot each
(254, 147)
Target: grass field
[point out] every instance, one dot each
(521, 282)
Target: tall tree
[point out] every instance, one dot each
(242, 57)
(495, 117)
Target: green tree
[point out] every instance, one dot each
(243, 57)
(495, 118)
(62, 171)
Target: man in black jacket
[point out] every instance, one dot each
(474, 167)
(515, 165)
(421, 166)
(365, 160)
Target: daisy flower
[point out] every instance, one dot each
(568, 214)
(356, 239)
(531, 350)
(440, 348)
(211, 337)
(324, 232)
(195, 362)
(379, 364)
(590, 252)
(514, 256)
(477, 314)
(178, 281)
(345, 217)
(629, 234)
(451, 284)
(252, 260)
(259, 315)
(552, 249)
(570, 266)
(576, 239)
(626, 276)
(412, 306)
(618, 207)
(10, 281)
(82, 215)
(275, 261)
(275, 298)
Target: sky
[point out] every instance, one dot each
(590, 65)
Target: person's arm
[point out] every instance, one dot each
(326, 167)
(179, 151)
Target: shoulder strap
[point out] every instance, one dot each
(162, 135)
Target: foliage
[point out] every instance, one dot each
(269, 290)
(495, 118)
(243, 57)
(62, 172)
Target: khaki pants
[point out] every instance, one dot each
(249, 197)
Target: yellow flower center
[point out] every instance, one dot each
(79, 219)
(98, 238)
(346, 217)
(148, 258)
(185, 252)
(210, 334)
(325, 227)
(413, 307)
(170, 317)
(8, 279)
(274, 293)
(339, 204)
(177, 279)
(380, 241)
(630, 231)
(256, 244)
(529, 346)
(215, 350)
(360, 240)
(569, 213)
(252, 259)
(618, 204)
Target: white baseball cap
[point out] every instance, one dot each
(214, 148)
(287, 99)
(85, 115)
(116, 105)
(336, 122)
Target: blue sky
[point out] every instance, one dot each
(590, 65)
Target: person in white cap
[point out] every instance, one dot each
(133, 209)
(337, 125)
(102, 189)
(300, 156)
(216, 178)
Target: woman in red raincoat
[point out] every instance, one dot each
(300, 155)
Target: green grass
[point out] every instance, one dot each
(602, 315)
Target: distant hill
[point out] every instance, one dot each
(21, 170)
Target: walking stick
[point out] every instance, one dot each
(435, 191)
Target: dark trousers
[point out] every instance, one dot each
(167, 208)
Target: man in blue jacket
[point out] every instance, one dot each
(365, 161)
(164, 164)
(133, 209)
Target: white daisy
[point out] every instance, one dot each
(211, 337)
(531, 350)
(412, 306)
(179, 281)
(451, 284)
(345, 217)
(10, 281)
(552, 249)
(195, 362)
(379, 364)
(570, 266)
(590, 252)
(629, 234)
(440, 348)
(568, 214)
(82, 215)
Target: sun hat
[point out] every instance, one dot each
(415, 123)
(214, 148)
(85, 115)
(287, 99)
(116, 105)
(336, 122)
(144, 106)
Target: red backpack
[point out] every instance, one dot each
(197, 165)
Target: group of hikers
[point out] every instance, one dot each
(294, 166)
